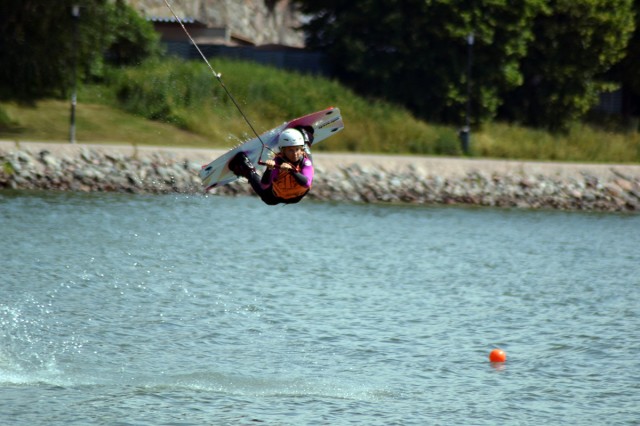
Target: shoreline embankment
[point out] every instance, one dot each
(368, 178)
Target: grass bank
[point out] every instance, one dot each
(178, 103)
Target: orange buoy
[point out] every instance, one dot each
(498, 355)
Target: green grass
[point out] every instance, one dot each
(178, 103)
(582, 143)
(48, 120)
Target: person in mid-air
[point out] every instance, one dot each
(289, 174)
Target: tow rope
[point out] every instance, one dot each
(218, 76)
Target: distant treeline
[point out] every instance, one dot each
(540, 63)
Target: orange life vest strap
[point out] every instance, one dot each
(286, 187)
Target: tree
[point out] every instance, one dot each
(37, 45)
(133, 38)
(537, 62)
(627, 71)
(415, 52)
(575, 43)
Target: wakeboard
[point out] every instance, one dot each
(325, 123)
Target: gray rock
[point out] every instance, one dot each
(91, 170)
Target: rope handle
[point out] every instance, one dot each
(262, 163)
(279, 166)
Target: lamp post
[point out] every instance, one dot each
(465, 133)
(75, 13)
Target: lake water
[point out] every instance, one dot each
(191, 310)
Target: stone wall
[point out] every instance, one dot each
(88, 169)
(261, 21)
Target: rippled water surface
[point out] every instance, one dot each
(154, 310)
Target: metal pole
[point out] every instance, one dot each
(75, 13)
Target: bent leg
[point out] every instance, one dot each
(265, 194)
(242, 166)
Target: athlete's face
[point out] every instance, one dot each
(293, 153)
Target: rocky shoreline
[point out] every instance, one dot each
(338, 178)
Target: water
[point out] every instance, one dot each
(158, 310)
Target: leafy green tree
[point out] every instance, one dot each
(627, 71)
(38, 47)
(575, 43)
(132, 38)
(415, 52)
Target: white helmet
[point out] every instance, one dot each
(290, 137)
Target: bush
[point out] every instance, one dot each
(186, 94)
(163, 90)
(7, 124)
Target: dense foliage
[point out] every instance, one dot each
(538, 62)
(575, 44)
(627, 71)
(40, 43)
(415, 51)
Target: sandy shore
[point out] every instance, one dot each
(445, 167)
